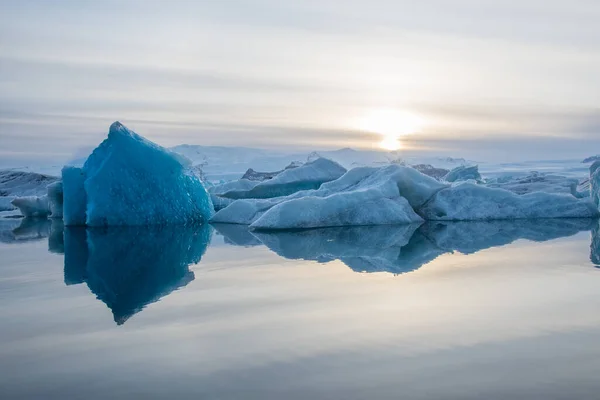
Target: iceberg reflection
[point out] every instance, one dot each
(400, 249)
(395, 249)
(130, 267)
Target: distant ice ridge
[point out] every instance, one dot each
(128, 180)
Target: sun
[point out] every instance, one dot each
(391, 124)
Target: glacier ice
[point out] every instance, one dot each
(32, 206)
(362, 196)
(538, 182)
(374, 199)
(463, 173)
(308, 176)
(469, 201)
(216, 192)
(74, 197)
(55, 199)
(595, 182)
(128, 180)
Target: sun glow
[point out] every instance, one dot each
(391, 124)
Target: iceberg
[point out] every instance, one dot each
(539, 182)
(128, 180)
(74, 197)
(32, 206)
(468, 202)
(217, 191)
(463, 173)
(306, 177)
(362, 196)
(594, 182)
(55, 199)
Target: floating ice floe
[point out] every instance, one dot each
(468, 202)
(32, 206)
(362, 196)
(463, 173)
(55, 199)
(539, 182)
(306, 177)
(595, 182)
(128, 180)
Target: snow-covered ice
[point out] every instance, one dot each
(469, 201)
(595, 182)
(55, 199)
(32, 206)
(306, 177)
(362, 196)
(373, 199)
(539, 182)
(463, 173)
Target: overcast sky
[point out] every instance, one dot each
(513, 79)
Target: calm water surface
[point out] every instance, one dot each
(441, 311)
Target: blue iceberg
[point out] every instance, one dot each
(128, 180)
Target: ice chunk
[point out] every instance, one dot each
(129, 180)
(373, 206)
(463, 173)
(308, 176)
(5, 203)
(430, 170)
(387, 190)
(217, 191)
(474, 202)
(595, 182)
(74, 197)
(55, 199)
(539, 182)
(32, 206)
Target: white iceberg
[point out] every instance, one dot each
(216, 192)
(463, 173)
(55, 199)
(362, 196)
(539, 182)
(129, 180)
(594, 182)
(32, 206)
(306, 177)
(470, 202)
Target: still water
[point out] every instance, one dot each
(499, 310)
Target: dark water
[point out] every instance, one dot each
(500, 310)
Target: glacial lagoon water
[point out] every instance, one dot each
(497, 310)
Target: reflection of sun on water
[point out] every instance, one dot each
(391, 124)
